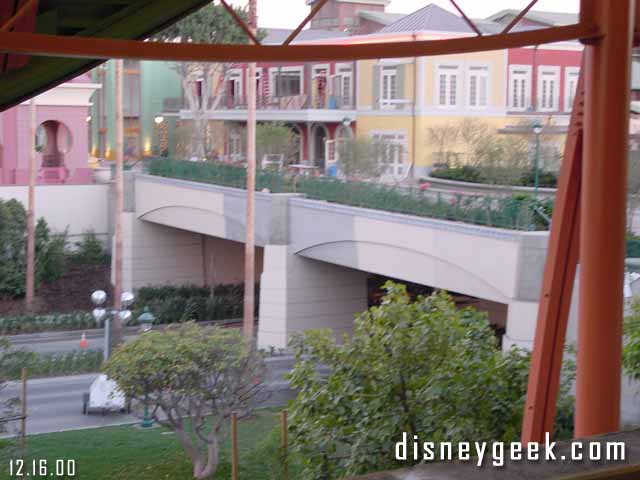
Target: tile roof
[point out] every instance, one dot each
(430, 18)
(276, 36)
(547, 18)
(383, 18)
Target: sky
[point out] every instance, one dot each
(289, 13)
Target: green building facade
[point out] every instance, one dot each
(152, 98)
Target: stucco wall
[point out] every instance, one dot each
(78, 207)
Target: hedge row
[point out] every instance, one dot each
(517, 212)
(168, 305)
(46, 323)
(49, 364)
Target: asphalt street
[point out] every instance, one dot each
(66, 343)
(55, 404)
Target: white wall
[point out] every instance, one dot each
(78, 207)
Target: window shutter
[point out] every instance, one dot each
(377, 71)
(400, 76)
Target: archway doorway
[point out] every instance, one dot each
(53, 142)
(320, 136)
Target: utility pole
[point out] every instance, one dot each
(249, 246)
(119, 200)
(31, 216)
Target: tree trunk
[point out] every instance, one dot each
(213, 459)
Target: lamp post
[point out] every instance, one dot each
(537, 129)
(100, 313)
(146, 322)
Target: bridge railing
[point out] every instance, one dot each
(517, 212)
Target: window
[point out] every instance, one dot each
(236, 150)
(234, 92)
(448, 84)
(548, 88)
(478, 86)
(131, 95)
(287, 83)
(571, 75)
(519, 87)
(343, 87)
(390, 152)
(389, 85)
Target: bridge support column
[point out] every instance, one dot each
(298, 294)
(159, 255)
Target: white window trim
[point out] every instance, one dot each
(542, 70)
(401, 138)
(568, 73)
(486, 73)
(388, 103)
(236, 73)
(528, 81)
(273, 71)
(341, 76)
(459, 84)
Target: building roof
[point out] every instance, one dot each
(539, 16)
(383, 18)
(275, 36)
(121, 19)
(366, 2)
(430, 18)
(433, 18)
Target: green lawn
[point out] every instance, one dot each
(130, 453)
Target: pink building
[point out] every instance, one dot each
(61, 138)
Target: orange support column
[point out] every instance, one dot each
(602, 222)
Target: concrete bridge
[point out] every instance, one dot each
(313, 257)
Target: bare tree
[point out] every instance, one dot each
(442, 137)
(204, 84)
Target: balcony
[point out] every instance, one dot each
(290, 108)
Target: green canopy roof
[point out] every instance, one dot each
(120, 19)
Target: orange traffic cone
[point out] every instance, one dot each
(84, 343)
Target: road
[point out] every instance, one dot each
(65, 343)
(55, 404)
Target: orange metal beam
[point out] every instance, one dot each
(557, 286)
(240, 22)
(603, 216)
(31, 6)
(106, 48)
(466, 19)
(312, 14)
(519, 17)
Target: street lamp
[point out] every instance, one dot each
(537, 130)
(158, 120)
(146, 322)
(100, 313)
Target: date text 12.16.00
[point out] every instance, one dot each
(19, 468)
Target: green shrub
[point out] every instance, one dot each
(464, 173)
(49, 250)
(633, 246)
(49, 364)
(178, 304)
(425, 367)
(20, 324)
(90, 251)
(475, 174)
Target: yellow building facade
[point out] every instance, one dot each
(400, 100)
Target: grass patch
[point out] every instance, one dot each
(127, 453)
